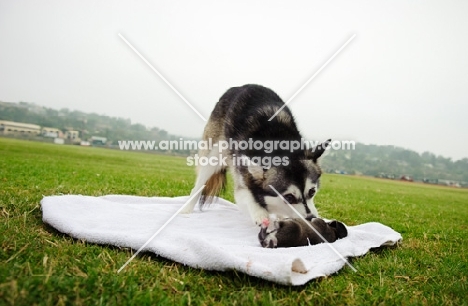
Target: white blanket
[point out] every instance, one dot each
(218, 238)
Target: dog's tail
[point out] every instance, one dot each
(213, 187)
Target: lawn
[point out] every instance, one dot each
(39, 265)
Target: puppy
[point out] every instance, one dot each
(296, 232)
(259, 152)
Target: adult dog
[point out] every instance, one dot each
(260, 155)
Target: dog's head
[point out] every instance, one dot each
(297, 181)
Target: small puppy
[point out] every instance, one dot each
(288, 233)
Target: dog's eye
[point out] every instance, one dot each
(311, 192)
(290, 198)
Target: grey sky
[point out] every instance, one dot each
(402, 81)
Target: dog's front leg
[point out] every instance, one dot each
(247, 204)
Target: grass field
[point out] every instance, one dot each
(41, 266)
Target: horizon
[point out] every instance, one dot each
(199, 138)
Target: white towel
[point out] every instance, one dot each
(218, 238)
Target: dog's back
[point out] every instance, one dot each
(243, 113)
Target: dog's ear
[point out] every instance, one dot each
(340, 229)
(319, 149)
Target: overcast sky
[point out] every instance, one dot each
(402, 81)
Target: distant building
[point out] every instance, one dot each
(52, 132)
(72, 135)
(15, 128)
(96, 140)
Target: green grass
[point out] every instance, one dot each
(38, 265)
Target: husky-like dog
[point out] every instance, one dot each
(241, 115)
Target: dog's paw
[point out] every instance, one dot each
(268, 231)
(259, 215)
(189, 207)
(186, 210)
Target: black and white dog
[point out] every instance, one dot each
(242, 115)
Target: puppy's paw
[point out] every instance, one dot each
(268, 231)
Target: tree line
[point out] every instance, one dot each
(373, 160)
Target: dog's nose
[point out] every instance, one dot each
(309, 217)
